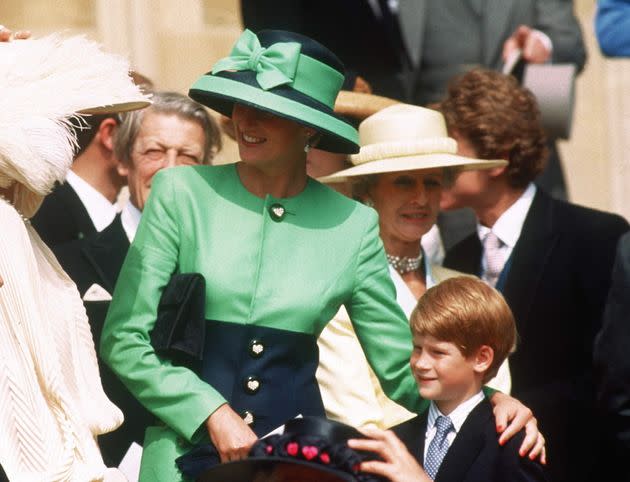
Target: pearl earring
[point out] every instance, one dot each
(307, 148)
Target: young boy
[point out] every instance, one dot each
(462, 331)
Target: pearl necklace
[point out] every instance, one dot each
(403, 264)
(24, 218)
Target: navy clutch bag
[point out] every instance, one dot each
(180, 329)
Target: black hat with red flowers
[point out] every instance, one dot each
(310, 449)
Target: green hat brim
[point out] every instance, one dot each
(220, 93)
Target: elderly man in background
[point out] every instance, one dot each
(173, 131)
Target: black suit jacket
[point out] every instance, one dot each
(612, 363)
(98, 259)
(62, 217)
(475, 454)
(556, 287)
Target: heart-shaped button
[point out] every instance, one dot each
(277, 212)
(253, 385)
(257, 348)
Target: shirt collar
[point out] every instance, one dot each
(101, 211)
(509, 225)
(130, 218)
(457, 416)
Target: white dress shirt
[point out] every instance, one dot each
(433, 246)
(130, 218)
(509, 225)
(101, 211)
(457, 416)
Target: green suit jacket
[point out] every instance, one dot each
(292, 274)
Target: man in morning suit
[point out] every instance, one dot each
(173, 131)
(552, 260)
(86, 202)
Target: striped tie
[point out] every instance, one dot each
(494, 258)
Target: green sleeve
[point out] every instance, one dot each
(174, 394)
(380, 323)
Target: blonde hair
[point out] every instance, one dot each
(469, 313)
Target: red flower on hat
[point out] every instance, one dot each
(269, 449)
(309, 452)
(324, 457)
(292, 448)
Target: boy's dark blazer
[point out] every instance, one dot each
(557, 283)
(475, 454)
(62, 217)
(98, 259)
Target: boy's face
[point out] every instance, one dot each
(443, 374)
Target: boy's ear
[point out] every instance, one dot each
(483, 359)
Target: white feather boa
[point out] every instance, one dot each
(44, 83)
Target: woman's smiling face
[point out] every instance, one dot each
(407, 203)
(264, 138)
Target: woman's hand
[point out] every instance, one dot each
(398, 464)
(7, 35)
(510, 417)
(230, 435)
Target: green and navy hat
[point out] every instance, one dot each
(286, 74)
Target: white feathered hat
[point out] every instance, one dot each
(45, 85)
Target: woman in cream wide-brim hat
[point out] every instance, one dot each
(53, 405)
(406, 159)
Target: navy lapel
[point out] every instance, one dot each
(496, 28)
(106, 252)
(85, 227)
(530, 256)
(467, 444)
(412, 433)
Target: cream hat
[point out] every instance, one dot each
(405, 137)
